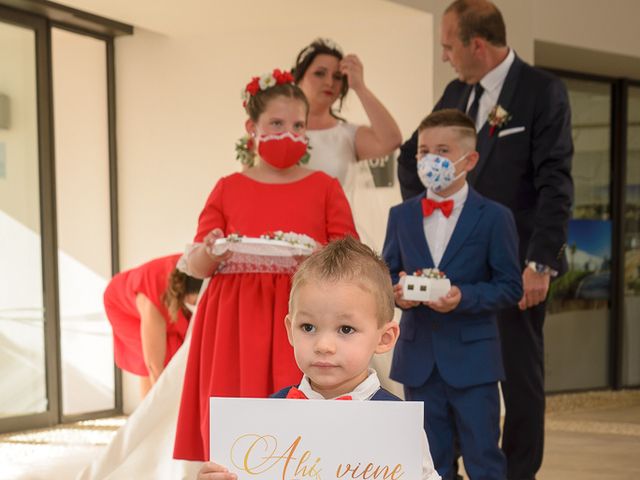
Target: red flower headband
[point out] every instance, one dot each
(267, 80)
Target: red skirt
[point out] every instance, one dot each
(239, 348)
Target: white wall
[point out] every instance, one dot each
(606, 26)
(178, 84)
(179, 78)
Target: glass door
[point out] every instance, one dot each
(28, 392)
(83, 219)
(56, 222)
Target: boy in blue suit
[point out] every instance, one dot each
(448, 353)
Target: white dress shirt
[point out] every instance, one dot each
(492, 83)
(438, 228)
(365, 391)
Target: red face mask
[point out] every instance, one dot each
(283, 150)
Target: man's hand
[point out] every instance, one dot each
(536, 287)
(447, 303)
(397, 293)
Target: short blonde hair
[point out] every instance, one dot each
(349, 260)
(450, 117)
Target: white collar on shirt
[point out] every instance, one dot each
(364, 391)
(495, 78)
(458, 198)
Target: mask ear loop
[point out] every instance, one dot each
(464, 172)
(461, 158)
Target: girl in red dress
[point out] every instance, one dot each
(239, 346)
(148, 308)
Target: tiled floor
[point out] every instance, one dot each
(593, 436)
(56, 453)
(589, 436)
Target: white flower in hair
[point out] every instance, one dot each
(267, 80)
(330, 43)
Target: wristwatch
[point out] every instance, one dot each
(541, 269)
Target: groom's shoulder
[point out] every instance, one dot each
(455, 88)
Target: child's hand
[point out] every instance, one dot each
(209, 242)
(397, 293)
(447, 303)
(213, 471)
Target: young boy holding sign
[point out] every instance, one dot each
(340, 315)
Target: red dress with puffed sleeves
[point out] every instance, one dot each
(239, 345)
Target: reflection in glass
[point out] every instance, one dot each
(22, 362)
(577, 324)
(631, 329)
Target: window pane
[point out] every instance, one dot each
(22, 362)
(631, 329)
(577, 324)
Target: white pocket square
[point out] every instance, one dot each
(510, 131)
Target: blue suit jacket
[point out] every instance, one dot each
(482, 260)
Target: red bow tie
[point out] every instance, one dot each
(298, 395)
(429, 205)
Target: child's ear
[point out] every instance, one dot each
(287, 325)
(390, 333)
(250, 127)
(472, 158)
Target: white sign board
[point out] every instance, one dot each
(273, 439)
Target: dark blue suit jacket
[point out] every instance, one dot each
(529, 171)
(482, 260)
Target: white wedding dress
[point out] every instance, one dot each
(143, 447)
(333, 150)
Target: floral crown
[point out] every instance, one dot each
(263, 82)
(319, 42)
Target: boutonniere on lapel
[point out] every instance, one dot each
(497, 118)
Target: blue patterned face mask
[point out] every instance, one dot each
(437, 172)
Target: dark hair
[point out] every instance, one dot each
(179, 285)
(451, 117)
(257, 103)
(306, 56)
(348, 259)
(479, 18)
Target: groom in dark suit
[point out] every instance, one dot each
(524, 139)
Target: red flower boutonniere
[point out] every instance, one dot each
(497, 118)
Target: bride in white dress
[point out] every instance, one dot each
(143, 447)
(340, 148)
